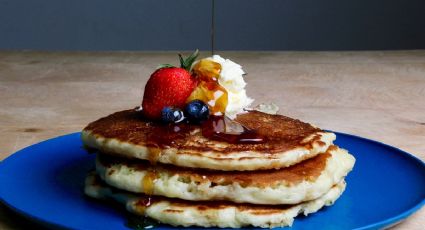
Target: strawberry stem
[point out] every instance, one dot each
(164, 66)
(187, 63)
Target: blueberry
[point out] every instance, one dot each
(171, 115)
(197, 111)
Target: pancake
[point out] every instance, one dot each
(286, 141)
(210, 213)
(304, 181)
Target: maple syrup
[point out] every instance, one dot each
(148, 182)
(144, 203)
(162, 136)
(207, 70)
(153, 154)
(208, 89)
(221, 128)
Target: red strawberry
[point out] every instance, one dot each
(169, 86)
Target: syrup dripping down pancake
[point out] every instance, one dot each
(304, 181)
(287, 142)
(209, 213)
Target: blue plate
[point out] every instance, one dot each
(45, 182)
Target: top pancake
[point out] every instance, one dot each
(287, 142)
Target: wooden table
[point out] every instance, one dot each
(379, 95)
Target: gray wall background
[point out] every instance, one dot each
(185, 24)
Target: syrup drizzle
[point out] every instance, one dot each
(215, 96)
(162, 136)
(148, 182)
(144, 203)
(221, 128)
(209, 90)
(148, 188)
(154, 153)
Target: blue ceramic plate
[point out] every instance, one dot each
(45, 182)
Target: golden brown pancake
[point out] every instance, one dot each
(209, 213)
(286, 141)
(306, 180)
(307, 170)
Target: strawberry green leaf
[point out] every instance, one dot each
(187, 63)
(182, 61)
(164, 66)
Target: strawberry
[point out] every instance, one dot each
(168, 87)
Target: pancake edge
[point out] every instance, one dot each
(196, 214)
(129, 178)
(233, 161)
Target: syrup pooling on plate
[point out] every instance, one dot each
(221, 128)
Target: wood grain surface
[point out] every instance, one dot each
(378, 95)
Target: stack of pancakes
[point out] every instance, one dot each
(176, 175)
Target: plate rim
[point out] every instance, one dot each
(384, 223)
(402, 216)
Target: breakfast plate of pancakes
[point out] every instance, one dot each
(198, 180)
(45, 183)
(195, 155)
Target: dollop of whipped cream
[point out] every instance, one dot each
(231, 78)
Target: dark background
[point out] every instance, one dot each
(185, 24)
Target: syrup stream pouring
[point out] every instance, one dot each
(212, 25)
